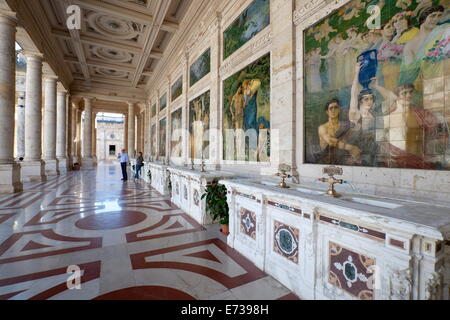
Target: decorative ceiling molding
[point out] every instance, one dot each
(114, 28)
(162, 6)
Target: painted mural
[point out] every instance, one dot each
(199, 126)
(246, 113)
(154, 110)
(200, 68)
(376, 93)
(176, 127)
(177, 89)
(154, 140)
(163, 102)
(254, 19)
(162, 137)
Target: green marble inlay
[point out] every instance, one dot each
(350, 271)
(285, 241)
(349, 226)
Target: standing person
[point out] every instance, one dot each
(123, 164)
(139, 164)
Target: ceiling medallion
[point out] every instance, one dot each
(111, 73)
(112, 55)
(113, 27)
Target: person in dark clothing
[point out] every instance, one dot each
(139, 164)
(124, 160)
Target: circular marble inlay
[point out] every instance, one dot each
(196, 197)
(111, 220)
(285, 240)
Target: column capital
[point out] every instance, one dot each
(8, 17)
(88, 99)
(50, 78)
(34, 55)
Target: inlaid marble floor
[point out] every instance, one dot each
(127, 240)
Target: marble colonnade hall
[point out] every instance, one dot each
(327, 123)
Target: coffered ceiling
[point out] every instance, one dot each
(119, 45)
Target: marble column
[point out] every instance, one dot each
(20, 126)
(125, 133)
(50, 125)
(69, 132)
(94, 138)
(87, 161)
(9, 170)
(215, 134)
(131, 131)
(138, 134)
(79, 132)
(186, 154)
(61, 131)
(33, 167)
(74, 138)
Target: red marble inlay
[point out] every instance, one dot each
(10, 295)
(59, 215)
(6, 216)
(289, 296)
(111, 220)
(91, 272)
(207, 255)
(31, 245)
(135, 236)
(138, 261)
(146, 293)
(176, 225)
(50, 234)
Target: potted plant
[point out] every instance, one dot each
(216, 204)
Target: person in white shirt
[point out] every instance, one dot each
(124, 160)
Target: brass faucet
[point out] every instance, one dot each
(331, 171)
(283, 175)
(202, 169)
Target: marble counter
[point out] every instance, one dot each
(188, 187)
(354, 247)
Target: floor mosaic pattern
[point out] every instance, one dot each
(125, 240)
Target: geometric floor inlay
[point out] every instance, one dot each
(123, 239)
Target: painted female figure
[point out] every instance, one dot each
(389, 58)
(362, 116)
(313, 80)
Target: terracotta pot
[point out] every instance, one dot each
(224, 229)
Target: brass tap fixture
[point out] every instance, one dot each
(331, 171)
(202, 169)
(283, 175)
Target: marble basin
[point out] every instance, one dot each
(309, 191)
(376, 203)
(275, 184)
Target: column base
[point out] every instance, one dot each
(10, 178)
(63, 165)
(51, 167)
(74, 160)
(87, 164)
(33, 171)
